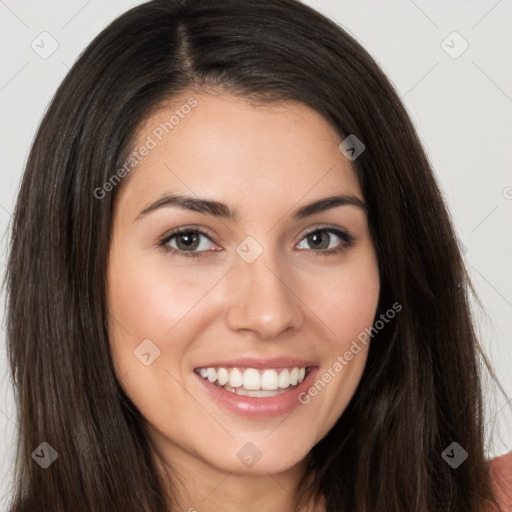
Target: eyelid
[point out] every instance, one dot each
(185, 229)
(323, 227)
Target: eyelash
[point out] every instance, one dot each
(347, 240)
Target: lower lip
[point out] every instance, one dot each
(257, 407)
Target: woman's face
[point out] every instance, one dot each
(271, 296)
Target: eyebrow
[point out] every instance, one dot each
(218, 209)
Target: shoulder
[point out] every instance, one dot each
(501, 475)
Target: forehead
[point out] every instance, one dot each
(226, 147)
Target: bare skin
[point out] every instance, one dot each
(294, 300)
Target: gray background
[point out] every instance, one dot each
(461, 104)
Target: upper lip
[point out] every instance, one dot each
(253, 362)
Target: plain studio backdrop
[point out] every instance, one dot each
(450, 63)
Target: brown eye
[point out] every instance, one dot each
(319, 239)
(187, 242)
(323, 241)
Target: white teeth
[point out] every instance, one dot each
(270, 380)
(284, 379)
(235, 378)
(254, 394)
(222, 376)
(252, 381)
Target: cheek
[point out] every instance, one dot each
(150, 298)
(347, 309)
(344, 299)
(146, 302)
(140, 309)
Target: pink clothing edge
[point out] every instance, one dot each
(501, 475)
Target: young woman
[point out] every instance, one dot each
(233, 283)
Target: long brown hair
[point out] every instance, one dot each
(421, 388)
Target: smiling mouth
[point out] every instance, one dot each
(252, 382)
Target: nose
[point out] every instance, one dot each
(263, 301)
